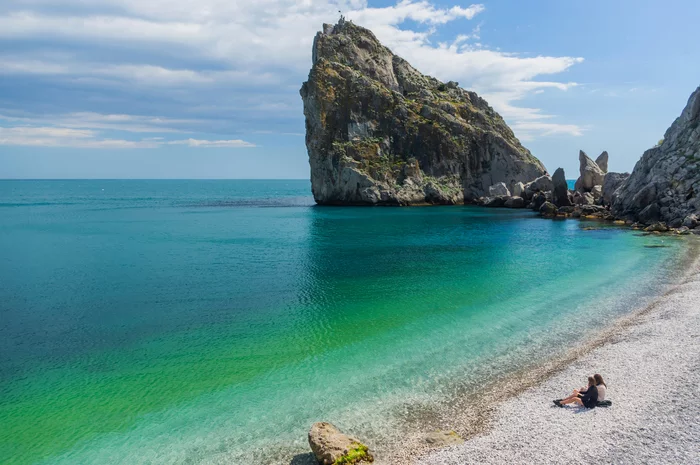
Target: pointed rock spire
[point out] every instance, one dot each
(602, 161)
(591, 174)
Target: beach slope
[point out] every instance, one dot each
(651, 362)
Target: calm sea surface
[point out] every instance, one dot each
(162, 322)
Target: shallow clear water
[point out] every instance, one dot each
(163, 322)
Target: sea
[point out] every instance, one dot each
(213, 321)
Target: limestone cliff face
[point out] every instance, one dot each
(665, 182)
(378, 132)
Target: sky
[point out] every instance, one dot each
(210, 89)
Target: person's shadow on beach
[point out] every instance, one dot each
(576, 410)
(581, 410)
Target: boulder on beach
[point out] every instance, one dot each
(590, 174)
(560, 189)
(499, 189)
(330, 446)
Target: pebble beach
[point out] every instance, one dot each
(651, 363)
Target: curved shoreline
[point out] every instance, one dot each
(475, 417)
(651, 356)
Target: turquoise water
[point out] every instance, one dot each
(160, 322)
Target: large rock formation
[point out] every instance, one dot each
(380, 132)
(590, 173)
(665, 182)
(330, 446)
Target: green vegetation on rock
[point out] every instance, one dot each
(358, 454)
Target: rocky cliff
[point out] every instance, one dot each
(380, 132)
(665, 183)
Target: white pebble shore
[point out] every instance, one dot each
(652, 368)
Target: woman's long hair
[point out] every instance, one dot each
(599, 380)
(591, 381)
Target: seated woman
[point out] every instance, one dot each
(602, 387)
(599, 383)
(587, 399)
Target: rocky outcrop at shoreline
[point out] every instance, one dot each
(661, 194)
(665, 183)
(378, 132)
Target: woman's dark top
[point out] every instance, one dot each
(590, 398)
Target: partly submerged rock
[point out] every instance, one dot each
(443, 438)
(657, 227)
(566, 210)
(590, 174)
(495, 202)
(560, 189)
(330, 446)
(548, 209)
(515, 202)
(380, 132)
(499, 189)
(665, 182)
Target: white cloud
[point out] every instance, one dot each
(61, 137)
(212, 143)
(49, 136)
(528, 131)
(184, 46)
(92, 120)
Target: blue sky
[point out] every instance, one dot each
(210, 89)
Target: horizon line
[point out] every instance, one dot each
(155, 179)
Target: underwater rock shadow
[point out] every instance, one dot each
(304, 459)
